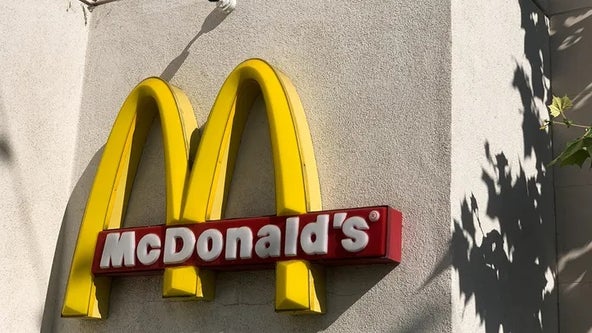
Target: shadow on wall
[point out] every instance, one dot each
(213, 20)
(6, 153)
(571, 45)
(507, 270)
(65, 245)
(5, 150)
(15, 193)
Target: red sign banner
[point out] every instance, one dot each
(348, 236)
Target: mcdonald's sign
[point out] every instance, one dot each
(195, 241)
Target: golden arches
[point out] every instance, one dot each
(200, 196)
(87, 296)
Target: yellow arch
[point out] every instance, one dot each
(296, 180)
(298, 284)
(87, 296)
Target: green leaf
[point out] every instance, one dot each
(576, 152)
(572, 148)
(578, 158)
(554, 110)
(559, 105)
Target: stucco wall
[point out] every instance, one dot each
(503, 229)
(42, 50)
(561, 7)
(431, 109)
(571, 44)
(374, 79)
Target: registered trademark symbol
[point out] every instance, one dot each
(374, 216)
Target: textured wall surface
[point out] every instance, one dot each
(571, 45)
(560, 7)
(432, 109)
(374, 79)
(503, 237)
(42, 49)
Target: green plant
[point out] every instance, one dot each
(577, 151)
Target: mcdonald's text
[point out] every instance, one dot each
(351, 236)
(195, 240)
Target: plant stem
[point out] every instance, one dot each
(574, 125)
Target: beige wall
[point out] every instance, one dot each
(560, 7)
(571, 44)
(432, 108)
(42, 51)
(373, 77)
(503, 237)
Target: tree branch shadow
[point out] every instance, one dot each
(213, 20)
(506, 266)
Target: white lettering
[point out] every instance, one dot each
(338, 219)
(148, 249)
(203, 244)
(119, 250)
(291, 236)
(269, 244)
(233, 236)
(171, 255)
(353, 228)
(319, 231)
